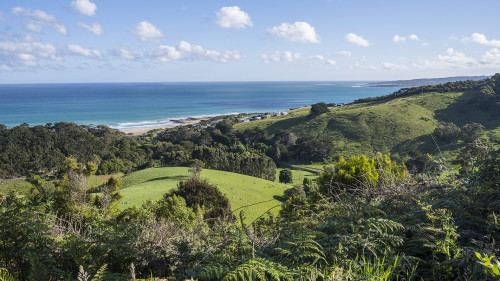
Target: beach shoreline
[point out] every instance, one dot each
(176, 122)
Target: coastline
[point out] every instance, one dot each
(177, 122)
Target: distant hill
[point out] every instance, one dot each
(425, 81)
(400, 123)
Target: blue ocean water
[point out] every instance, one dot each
(148, 105)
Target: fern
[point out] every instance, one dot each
(214, 272)
(301, 250)
(6, 276)
(82, 275)
(101, 273)
(38, 271)
(259, 269)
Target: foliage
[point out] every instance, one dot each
(199, 193)
(286, 176)
(471, 132)
(492, 266)
(448, 132)
(42, 149)
(362, 175)
(6, 276)
(254, 165)
(318, 109)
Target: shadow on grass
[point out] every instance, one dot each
(464, 111)
(279, 198)
(177, 178)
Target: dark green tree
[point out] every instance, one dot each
(317, 109)
(471, 132)
(286, 176)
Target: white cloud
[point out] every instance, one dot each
(391, 66)
(126, 54)
(84, 7)
(4, 67)
(147, 32)
(451, 59)
(481, 39)
(317, 57)
(414, 37)
(425, 44)
(331, 62)
(35, 20)
(81, 51)
(296, 32)
(282, 57)
(398, 39)
(357, 40)
(322, 59)
(233, 17)
(25, 51)
(344, 53)
(184, 51)
(94, 28)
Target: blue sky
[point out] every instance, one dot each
(198, 40)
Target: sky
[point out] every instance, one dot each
(87, 41)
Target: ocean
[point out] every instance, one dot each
(149, 105)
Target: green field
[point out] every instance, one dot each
(241, 190)
(396, 126)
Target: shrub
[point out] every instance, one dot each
(286, 176)
(361, 174)
(317, 109)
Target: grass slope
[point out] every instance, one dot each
(396, 126)
(241, 190)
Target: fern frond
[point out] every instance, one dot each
(6, 276)
(101, 273)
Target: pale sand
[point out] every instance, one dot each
(182, 122)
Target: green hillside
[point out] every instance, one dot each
(395, 126)
(241, 190)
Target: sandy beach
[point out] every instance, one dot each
(180, 122)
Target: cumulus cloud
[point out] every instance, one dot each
(414, 37)
(357, 40)
(81, 51)
(147, 32)
(296, 32)
(481, 39)
(84, 7)
(392, 66)
(402, 39)
(94, 28)
(25, 51)
(126, 54)
(398, 39)
(450, 59)
(184, 51)
(233, 17)
(35, 20)
(330, 62)
(344, 53)
(322, 59)
(282, 57)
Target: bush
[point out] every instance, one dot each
(113, 166)
(199, 193)
(286, 176)
(471, 132)
(448, 132)
(360, 174)
(318, 109)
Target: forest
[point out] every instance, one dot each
(363, 217)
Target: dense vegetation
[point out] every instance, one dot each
(365, 217)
